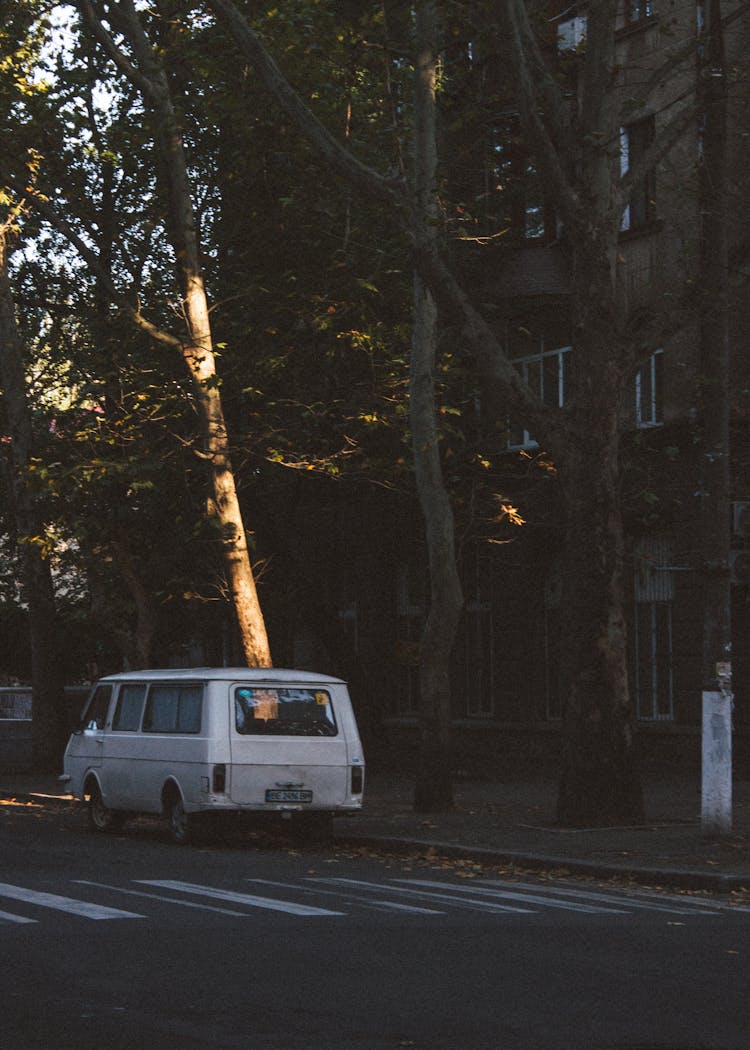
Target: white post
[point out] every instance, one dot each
(716, 783)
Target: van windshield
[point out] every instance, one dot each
(283, 712)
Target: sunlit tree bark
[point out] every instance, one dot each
(144, 68)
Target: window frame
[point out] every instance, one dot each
(561, 381)
(94, 706)
(125, 690)
(474, 666)
(246, 701)
(180, 688)
(640, 210)
(530, 214)
(636, 12)
(653, 633)
(653, 401)
(411, 600)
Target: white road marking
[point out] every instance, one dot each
(159, 897)
(238, 898)
(10, 917)
(67, 904)
(634, 903)
(413, 908)
(511, 894)
(380, 904)
(451, 898)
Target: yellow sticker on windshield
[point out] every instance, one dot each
(321, 698)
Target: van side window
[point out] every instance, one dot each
(174, 709)
(129, 709)
(96, 712)
(284, 712)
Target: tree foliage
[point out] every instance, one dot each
(294, 209)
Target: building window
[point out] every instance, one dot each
(648, 392)
(653, 631)
(474, 654)
(571, 33)
(548, 375)
(638, 11)
(635, 139)
(518, 186)
(410, 622)
(552, 644)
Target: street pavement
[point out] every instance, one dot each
(512, 823)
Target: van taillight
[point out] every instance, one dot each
(358, 780)
(220, 779)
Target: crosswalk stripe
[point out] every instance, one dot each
(381, 904)
(160, 897)
(461, 902)
(238, 898)
(528, 897)
(68, 904)
(411, 908)
(8, 916)
(633, 903)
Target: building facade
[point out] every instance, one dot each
(505, 665)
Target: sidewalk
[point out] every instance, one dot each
(513, 824)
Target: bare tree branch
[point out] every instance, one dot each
(344, 163)
(44, 208)
(95, 23)
(532, 79)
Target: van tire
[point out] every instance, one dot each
(181, 824)
(101, 818)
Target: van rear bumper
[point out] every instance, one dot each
(227, 805)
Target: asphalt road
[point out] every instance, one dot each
(129, 941)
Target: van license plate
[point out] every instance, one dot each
(288, 795)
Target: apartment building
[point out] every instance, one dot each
(506, 663)
(359, 607)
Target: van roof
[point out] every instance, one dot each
(222, 674)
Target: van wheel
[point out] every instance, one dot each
(180, 822)
(101, 818)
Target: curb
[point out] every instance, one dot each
(676, 878)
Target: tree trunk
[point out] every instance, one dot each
(49, 716)
(433, 791)
(599, 784)
(224, 503)
(149, 75)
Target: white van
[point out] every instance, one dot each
(189, 743)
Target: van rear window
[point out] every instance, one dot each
(173, 709)
(284, 712)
